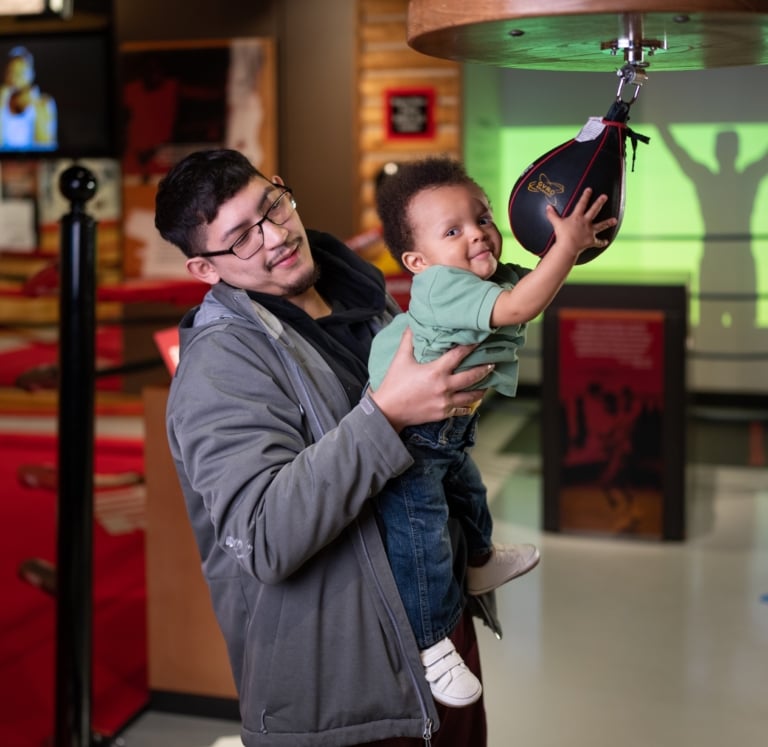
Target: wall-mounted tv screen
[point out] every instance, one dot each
(36, 7)
(56, 95)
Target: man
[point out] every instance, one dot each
(28, 117)
(279, 448)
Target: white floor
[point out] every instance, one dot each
(609, 642)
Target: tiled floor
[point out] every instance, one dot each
(609, 642)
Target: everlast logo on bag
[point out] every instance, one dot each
(549, 189)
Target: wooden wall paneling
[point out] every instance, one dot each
(385, 62)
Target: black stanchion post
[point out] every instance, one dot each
(74, 603)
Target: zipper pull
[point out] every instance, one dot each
(427, 735)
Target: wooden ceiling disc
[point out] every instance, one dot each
(592, 35)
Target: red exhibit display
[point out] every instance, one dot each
(614, 406)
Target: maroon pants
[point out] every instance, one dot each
(459, 727)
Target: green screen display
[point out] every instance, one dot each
(696, 203)
(676, 210)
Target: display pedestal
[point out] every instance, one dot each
(188, 663)
(614, 397)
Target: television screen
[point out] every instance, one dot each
(35, 7)
(56, 95)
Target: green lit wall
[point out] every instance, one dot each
(696, 203)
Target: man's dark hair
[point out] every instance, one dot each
(190, 194)
(395, 192)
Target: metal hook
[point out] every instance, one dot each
(630, 75)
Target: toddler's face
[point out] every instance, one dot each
(453, 226)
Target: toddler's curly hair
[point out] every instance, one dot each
(395, 191)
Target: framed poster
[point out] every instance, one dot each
(410, 113)
(614, 430)
(183, 96)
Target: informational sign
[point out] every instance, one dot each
(410, 113)
(614, 428)
(612, 400)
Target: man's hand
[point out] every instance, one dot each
(413, 393)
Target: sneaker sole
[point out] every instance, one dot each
(485, 590)
(455, 702)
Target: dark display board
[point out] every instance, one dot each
(614, 411)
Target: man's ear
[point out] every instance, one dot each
(202, 269)
(414, 262)
(278, 180)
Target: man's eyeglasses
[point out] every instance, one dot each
(251, 240)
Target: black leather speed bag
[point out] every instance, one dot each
(594, 158)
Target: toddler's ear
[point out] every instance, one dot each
(414, 262)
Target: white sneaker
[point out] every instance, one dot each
(451, 681)
(506, 562)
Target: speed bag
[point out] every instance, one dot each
(594, 158)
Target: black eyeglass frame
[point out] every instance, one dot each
(258, 224)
